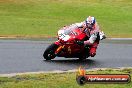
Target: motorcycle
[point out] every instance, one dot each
(66, 45)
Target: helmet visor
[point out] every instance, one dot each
(89, 26)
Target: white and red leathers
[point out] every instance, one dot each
(92, 34)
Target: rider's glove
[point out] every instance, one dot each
(102, 35)
(80, 42)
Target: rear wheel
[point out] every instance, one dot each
(85, 54)
(82, 58)
(50, 52)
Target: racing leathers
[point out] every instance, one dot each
(94, 35)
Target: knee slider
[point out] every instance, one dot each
(92, 54)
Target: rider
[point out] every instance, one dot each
(93, 32)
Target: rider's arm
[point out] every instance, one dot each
(101, 33)
(92, 39)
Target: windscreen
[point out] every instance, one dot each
(71, 30)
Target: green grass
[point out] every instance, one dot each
(59, 80)
(44, 17)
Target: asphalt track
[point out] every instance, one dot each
(26, 56)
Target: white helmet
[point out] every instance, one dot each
(90, 20)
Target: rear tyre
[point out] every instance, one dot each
(49, 53)
(82, 58)
(85, 54)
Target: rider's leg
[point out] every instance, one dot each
(92, 51)
(93, 48)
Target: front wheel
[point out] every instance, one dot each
(49, 53)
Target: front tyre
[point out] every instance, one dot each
(49, 53)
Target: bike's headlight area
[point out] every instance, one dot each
(63, 36)
(66, 38)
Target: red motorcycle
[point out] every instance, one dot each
(66, 45)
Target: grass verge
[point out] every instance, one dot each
(59, 80)
(40, 18)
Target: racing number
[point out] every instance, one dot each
(61, 36)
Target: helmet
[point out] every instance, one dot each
(90, 21)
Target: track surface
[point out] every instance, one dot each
(26, 56)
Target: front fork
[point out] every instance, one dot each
(58, 50)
